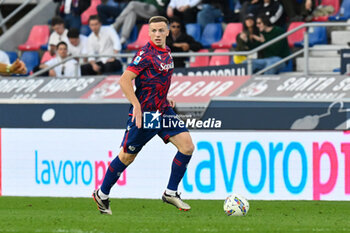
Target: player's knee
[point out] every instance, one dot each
(188, 148)
(126, 158)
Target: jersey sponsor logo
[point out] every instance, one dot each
(166, 66)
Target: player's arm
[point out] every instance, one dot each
(125, 83)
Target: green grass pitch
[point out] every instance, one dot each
(39, 214)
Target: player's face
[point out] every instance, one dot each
(158, 33)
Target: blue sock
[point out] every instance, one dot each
(178, 169)
(114, 170)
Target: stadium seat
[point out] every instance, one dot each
(46, 56)
(85, 30)
(288, 67)
(220, 60)
(200, 60)
(334, 3)
(132, 38)
(141, 40)
(39, 35)
(31, 59)
(212, 33)
(317, 35)
(92, 10)
(296, 36)
(229, 37)
(194, 30)
(344, 12)
(12, 55)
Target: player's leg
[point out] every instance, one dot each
(115, 169)
(184, 144)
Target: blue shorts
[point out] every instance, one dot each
(135, 138)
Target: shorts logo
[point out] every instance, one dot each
(151, 120)
(131, 148)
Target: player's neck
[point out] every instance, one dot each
(157, 47)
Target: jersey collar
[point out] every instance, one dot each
(158, 48)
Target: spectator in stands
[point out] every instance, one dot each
(18, 67)
(109, 10)
(77, 44)
(68, 69)
(249, 7)
(179, 41)
(59, 34)
(102, 41)
(247, 39)
(274, 11)
(211, 12)
(273, 53)
(299, 10)
(71, 10)
(186, 10)
(4, 58)
(143, 9)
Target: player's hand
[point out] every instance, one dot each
(172, 103)
(137, 115)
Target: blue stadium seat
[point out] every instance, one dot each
(288, 67)
(212, 33)
(132, 38)
(85, 30)
(31, 59)
(194, 30)
(317, 35)
(12, 55)
(344, 12)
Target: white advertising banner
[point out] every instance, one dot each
(274, 165)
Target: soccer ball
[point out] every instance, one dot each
(236, 205)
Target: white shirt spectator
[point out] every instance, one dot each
(64, 70)
(106, 42)
(55, 38)
(176, 4)
(80, 49)
(4, 58)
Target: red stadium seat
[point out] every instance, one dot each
(141, 40)
(46, 57)
(229, 37)
(336, 6)
(220, 60)
(92, 10)
(296, 36)
(39, 35)
(200, 60)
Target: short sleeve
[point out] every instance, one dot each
(140, 62)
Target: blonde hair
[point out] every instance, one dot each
(157, 19)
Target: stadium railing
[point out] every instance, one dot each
(305, 50)
(13, 13)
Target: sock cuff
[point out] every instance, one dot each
(182, 157)
(117, 163)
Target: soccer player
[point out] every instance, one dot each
(151, 68)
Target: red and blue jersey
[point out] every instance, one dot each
(153, 66)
